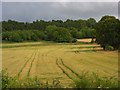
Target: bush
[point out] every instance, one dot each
(14, 82)
(109, 48)
(95, 81)
(86, 80)
(74, 40)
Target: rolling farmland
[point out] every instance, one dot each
(48, 61)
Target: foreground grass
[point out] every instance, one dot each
(14, 82)
(87, 81)
(95, 81)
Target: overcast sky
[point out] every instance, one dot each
(60, 0)
(30, 11)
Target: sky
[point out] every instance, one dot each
(60, 0)
(31, 11)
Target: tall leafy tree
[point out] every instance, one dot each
(108, 32)
(91, 22)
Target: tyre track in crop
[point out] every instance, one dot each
(63, 65)
(37, 64)
(44, 59)
(59, 63)
(34, 64)
(51, 51)
(24, 70)
(94, 64)
(47, 54)
(41, 60)
(67, 71)
(19, 73)
(31, 64)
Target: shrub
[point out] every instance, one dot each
(14, 82)
(109, 48)
(95, 81)
(86, 80)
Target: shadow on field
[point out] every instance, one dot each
(86, 49)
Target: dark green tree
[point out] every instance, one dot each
(108, 32)
(15, 37)
(91, 22)
(58, 34)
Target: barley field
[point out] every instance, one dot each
(63, 63)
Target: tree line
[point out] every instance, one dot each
(106, 31)
(55, 30)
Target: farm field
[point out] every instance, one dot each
(57, 61)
